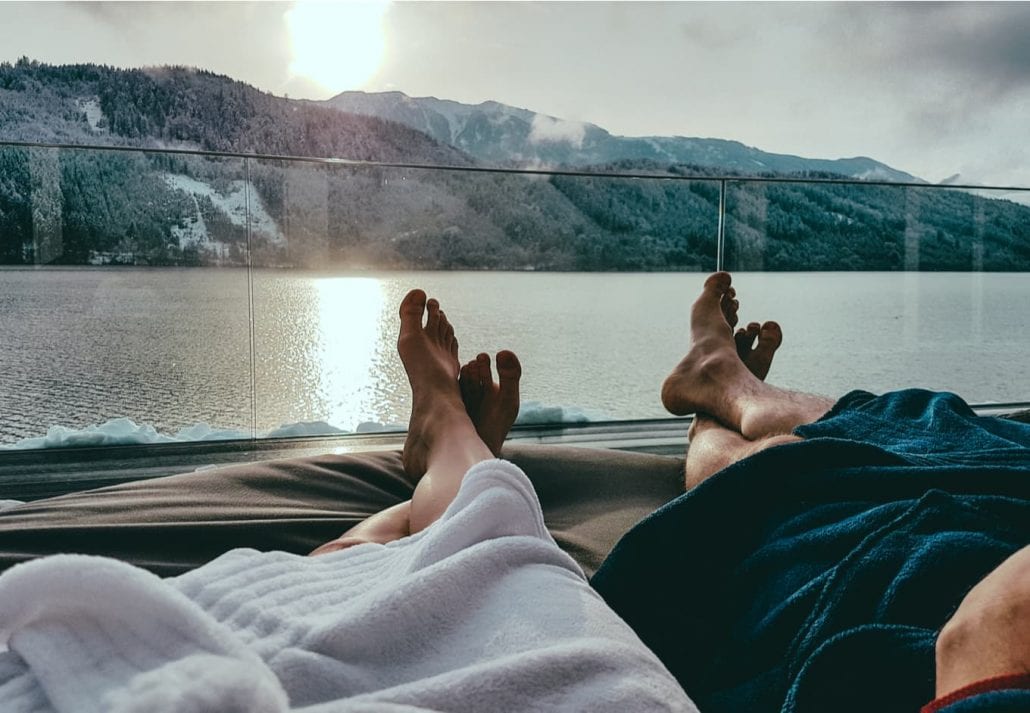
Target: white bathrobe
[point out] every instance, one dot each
(479, 612)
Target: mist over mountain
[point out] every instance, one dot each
(499, 134)
(81, 206)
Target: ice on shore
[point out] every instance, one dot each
(535, 413)
(122, 432)
(125, 431)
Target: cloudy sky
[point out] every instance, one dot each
(933, 89)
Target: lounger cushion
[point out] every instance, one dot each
(169, 525)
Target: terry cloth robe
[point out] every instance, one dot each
(813, 577)
(479, 612)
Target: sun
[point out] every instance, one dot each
(338, 45)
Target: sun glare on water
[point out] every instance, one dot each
(350, 346)
(339, 45)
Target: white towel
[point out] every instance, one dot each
(481, 611)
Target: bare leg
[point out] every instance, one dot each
(391, 524)
(714, 447)
(989, 635)
(492, 406)
(712, 379)
(442, 443)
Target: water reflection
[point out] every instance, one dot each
(349, 313)
(324, 345)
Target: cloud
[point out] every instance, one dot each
(245, 40)
(547, 129)
(979, 49)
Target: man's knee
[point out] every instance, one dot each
(989, 634)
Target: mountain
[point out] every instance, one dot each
(80, 206)
(499, 134)
(190, 108)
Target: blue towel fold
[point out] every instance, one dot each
(813, 577)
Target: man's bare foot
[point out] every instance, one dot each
(430, 357)
(712, 365)
(492, 406)
(712, 379)
(758, 359)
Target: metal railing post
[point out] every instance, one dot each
(720, 238)
(250, 303)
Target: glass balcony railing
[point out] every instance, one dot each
(152, 296)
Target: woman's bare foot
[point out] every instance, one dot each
(430, 357)
(758, 359)
(492, 406)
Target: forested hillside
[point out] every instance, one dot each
(74, 206)
(193, 108)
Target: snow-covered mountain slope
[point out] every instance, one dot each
(500, 134)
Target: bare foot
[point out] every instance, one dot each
(492, 406)
(699, 380)
(714, 380)
(430, 357)
(758, 359)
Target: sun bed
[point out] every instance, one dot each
(590, 498)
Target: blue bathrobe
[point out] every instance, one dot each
(814, 577)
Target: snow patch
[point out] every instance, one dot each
(94, 115)
(233, 203)
(547, 129)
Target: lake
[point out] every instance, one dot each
(174, 348)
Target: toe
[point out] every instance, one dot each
(708, 311)
(446, 330)
(745, 339)
(433, 318)
(718, 282)
(483, 368)
(468, 382)
(729, 308)
(509, 372)
(413, 306)
(770, 336)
